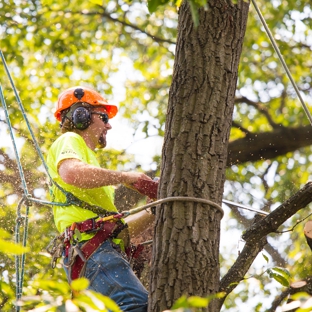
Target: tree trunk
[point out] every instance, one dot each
(201, 101)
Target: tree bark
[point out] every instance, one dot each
(199, 117)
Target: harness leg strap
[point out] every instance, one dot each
(88, 248)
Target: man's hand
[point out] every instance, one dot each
(132, 177)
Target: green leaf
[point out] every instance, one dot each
(194, 11)
(180, 303)
(265, 258)
(12, 248)
(302, 296)
(4, 234)
(282, 271)
(154, 4)
(109, 303)
(282, 278)
(218, 295)
(198, 302)
(52, 285)
(178, 3)
(6, 289)
(80, 284)
(195, 301)
(98, 2)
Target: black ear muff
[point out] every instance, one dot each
(81, 118)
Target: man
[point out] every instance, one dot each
(84, 115)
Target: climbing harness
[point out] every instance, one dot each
(77, 255)
(105, 228)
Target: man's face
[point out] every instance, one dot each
(98, 128)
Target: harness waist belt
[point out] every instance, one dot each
(107, 230)
(88, 225)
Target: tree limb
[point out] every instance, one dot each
(135, 27)
(278, 300)
(266, 145)
(255, 237)
(241, 128)
(302, 286)
(276, 257)
(124, 23)
(277, 217)
(261, 108)
(241, 266)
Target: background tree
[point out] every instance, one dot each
(51, 46)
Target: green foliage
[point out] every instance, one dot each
(194, 303)
(154, 4)
(195, 5)
(59, 296)
(299, 302)
(11, 248)
(8, 247)
(281, 275)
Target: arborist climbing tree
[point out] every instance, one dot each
(87, 224)
(95, 239)
(225, 17)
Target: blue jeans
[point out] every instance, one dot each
(111, 275)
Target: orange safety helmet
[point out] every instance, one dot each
(77, 94)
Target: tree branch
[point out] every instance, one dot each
(135, 27)
(278, 300)
(241, 128)
(301, 286)
(277, 217)
(255, 237)
(261, 108)
(267, 145)
(124, 23)
(276, 257)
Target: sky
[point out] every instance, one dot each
(121, 136)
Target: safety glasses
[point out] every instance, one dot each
(103, 116)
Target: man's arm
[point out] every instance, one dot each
(77, 173)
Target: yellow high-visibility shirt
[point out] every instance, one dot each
(72, 145)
